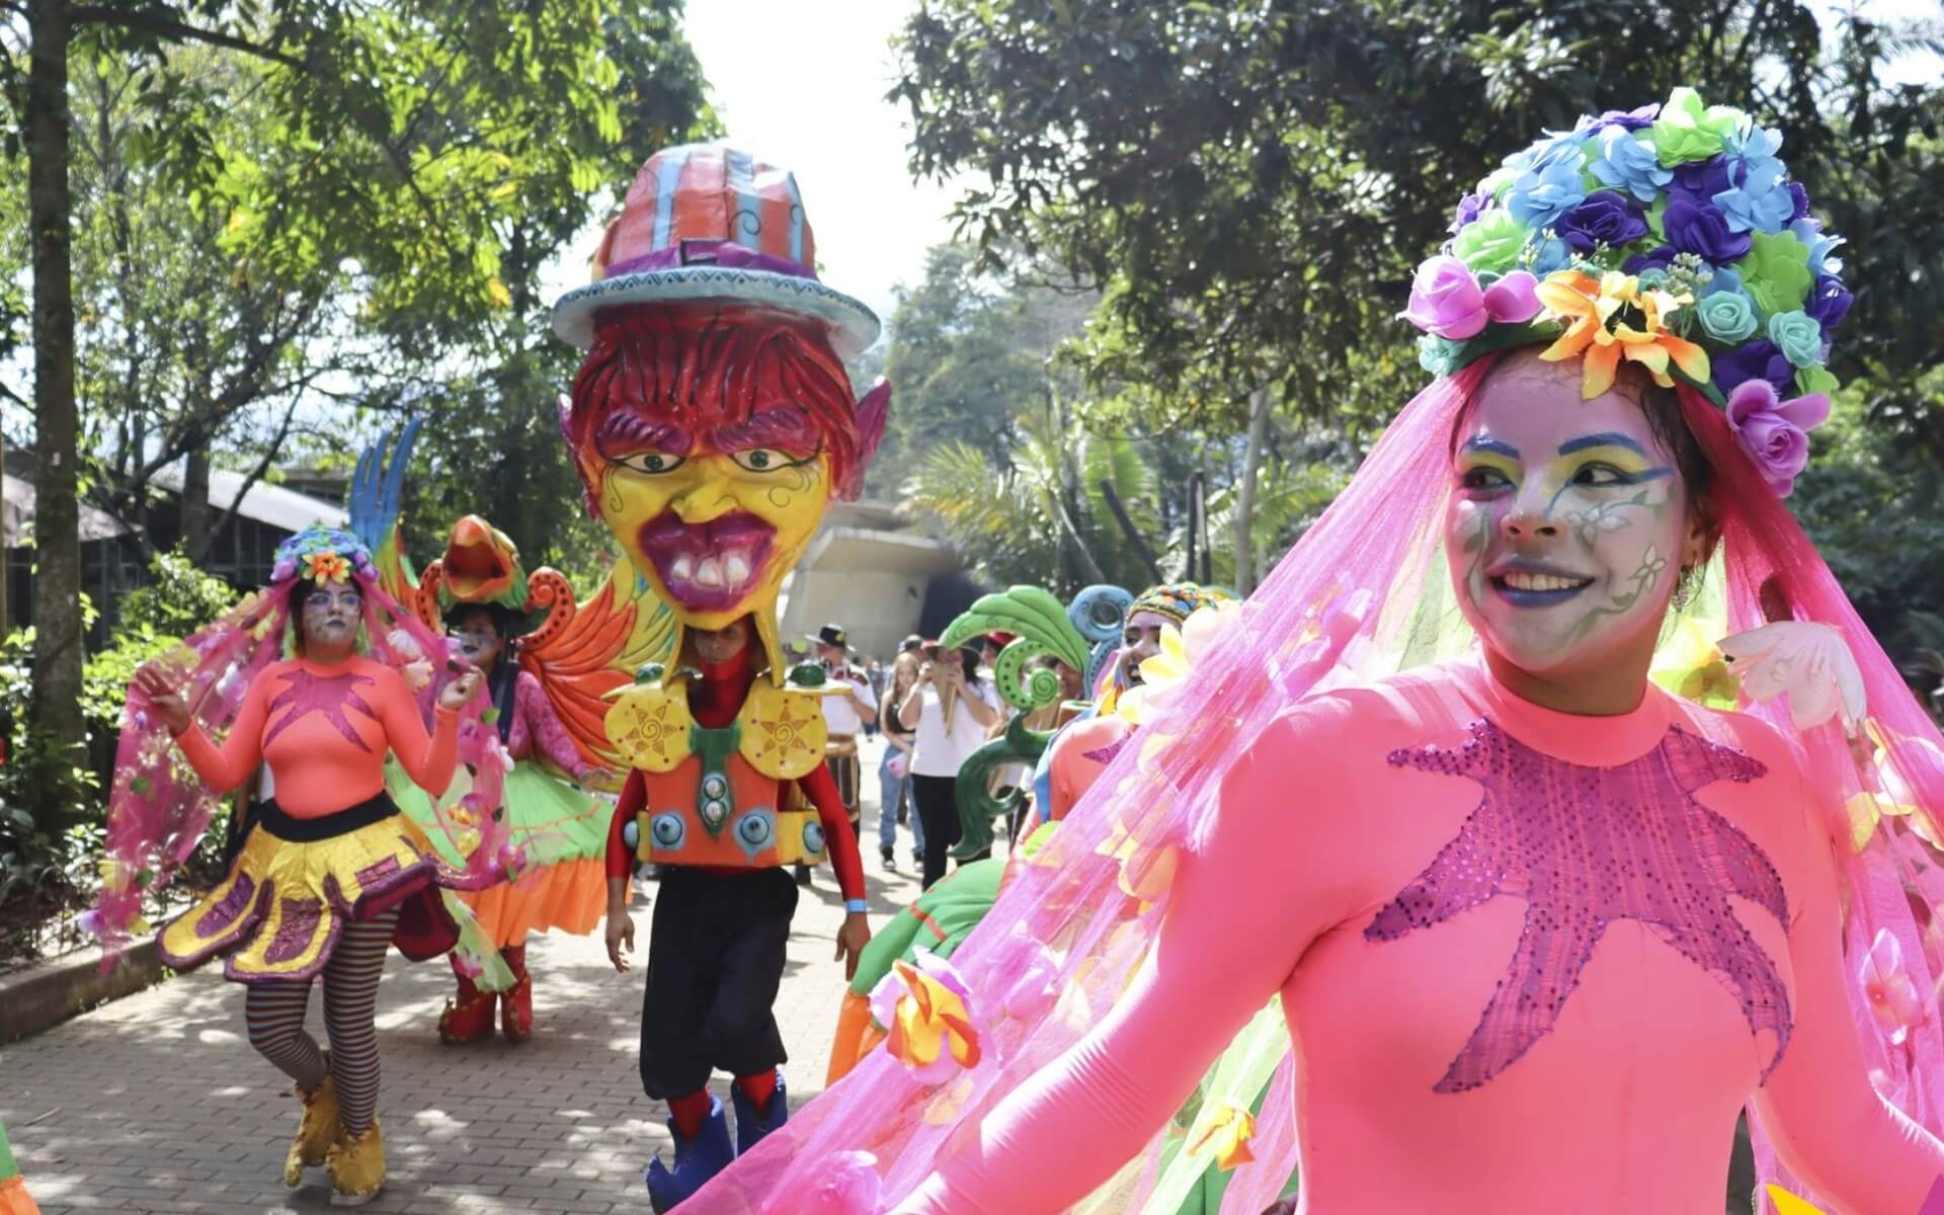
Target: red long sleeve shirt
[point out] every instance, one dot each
(714, 700)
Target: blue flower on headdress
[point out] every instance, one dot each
(1626, 163)
(1809, 232)
(1762, 202)
(1542, 194)
(1547, 254)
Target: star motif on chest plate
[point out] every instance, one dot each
(1585, 847)
(330, 695)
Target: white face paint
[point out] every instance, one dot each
(1567, 524)
(332, 614)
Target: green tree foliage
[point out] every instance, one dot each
(1252, 184)
(377, 179)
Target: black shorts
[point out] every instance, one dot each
(715, 961)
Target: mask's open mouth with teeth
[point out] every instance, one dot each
(1538, 588)
(710, 567)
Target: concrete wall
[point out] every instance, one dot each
(877, 608)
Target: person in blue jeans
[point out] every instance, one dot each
(894, 775)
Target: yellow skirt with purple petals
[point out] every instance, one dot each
(284, 904)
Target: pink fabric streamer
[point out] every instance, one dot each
(158, 808)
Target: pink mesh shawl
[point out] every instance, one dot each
(158, 808)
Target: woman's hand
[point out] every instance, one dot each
(163, 697)
(928, 672)
(455, 694)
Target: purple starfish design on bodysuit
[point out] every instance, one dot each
(329, 695)
(1105, 755)
(1585, 847)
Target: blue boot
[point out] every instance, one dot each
(752, 1126)
(696, 1160)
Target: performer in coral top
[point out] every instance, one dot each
(1538, 928)
(328, 874)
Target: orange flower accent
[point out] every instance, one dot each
(327, 567)
(1591, 306)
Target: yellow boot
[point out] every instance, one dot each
(315, 1131)
(357, 1167)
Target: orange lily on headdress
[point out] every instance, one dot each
(1225, 1132)
(1612, 317)
(327, 567)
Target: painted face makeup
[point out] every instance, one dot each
(332, 614)
(717, 521)
(1567, 521)
(478, 643)
(1140, 641)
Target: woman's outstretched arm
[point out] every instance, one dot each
(1248, 901)
(1828, 1124)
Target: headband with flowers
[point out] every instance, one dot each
(321, 554)
(1668, 236)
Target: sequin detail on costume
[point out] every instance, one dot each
(1585, 847)
(304, 693)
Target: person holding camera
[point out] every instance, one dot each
(949, 708)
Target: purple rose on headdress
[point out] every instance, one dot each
(1633, 120)
(1829, 302)
(1605, 218)
(1703, 178)
(1658, 258)
(1760, 359)
(1774, 432)
(1800, 200)
(1699, 227)
(1469, 209)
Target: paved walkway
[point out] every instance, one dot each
(157, 1103)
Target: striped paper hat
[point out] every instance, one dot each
(708, 222)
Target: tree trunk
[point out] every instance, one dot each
(55, 707)
(196, 535)
(1246, 493)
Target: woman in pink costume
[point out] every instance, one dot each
(1539, 929)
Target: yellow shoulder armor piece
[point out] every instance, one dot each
(648, 726)
(782, 731)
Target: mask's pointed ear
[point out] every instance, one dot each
(872, 411)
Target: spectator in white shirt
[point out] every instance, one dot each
(951, 709)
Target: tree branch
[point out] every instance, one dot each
(162, 25)
(249, 482)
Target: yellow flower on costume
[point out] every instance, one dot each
(1693, 668)
(1612, 318)
(1226, 1132)
(1788, 1204)
(930, 1021)
(326, 567)
(1896, 798)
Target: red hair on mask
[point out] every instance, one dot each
(681, 378)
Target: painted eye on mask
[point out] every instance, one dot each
(766, 459)
(651, 463)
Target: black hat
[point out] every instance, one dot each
(831, 634)
(910, 643)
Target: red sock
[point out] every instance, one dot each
(759, 1089)
(689, 1112)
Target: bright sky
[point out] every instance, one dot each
(800, 84)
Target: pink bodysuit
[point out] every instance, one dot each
(537, 732)
(1531, 963)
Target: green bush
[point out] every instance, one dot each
(50, 868)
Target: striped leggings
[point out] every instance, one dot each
(275, 1015)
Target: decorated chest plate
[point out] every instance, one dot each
(717, 796)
